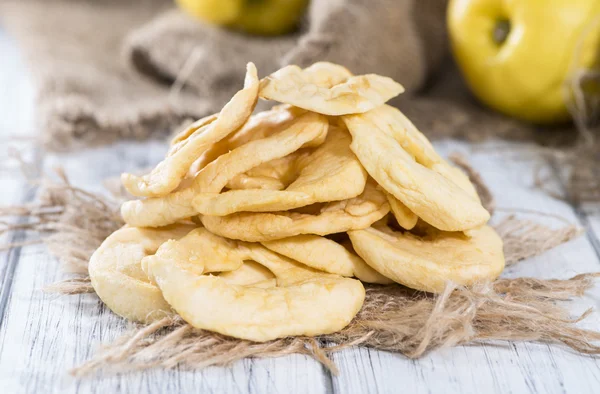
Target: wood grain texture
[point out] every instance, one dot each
(42, 335)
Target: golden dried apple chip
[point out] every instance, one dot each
(117, 277)
(330, 173)
(255, 200)
(434, 197)
(335, 217)
(325, 74)
(393, 122)
(167, 175)
(404, 216)
(326, 255)
(273, 175)
(306, 130)
(428, 262)
(198, 252)
(245, 181)
(189, 130)
(304, 302)
(328, 89)
(264, 124)
(260, 125)
(250, 274)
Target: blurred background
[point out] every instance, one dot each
(109, 70)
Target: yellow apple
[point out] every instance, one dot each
(516, 55)
(262, 17)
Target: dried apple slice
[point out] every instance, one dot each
(307, 130)
(404, 216)
(326, 255)
(328, 90)
(304, 302)
(428, 262)
(117, 277)
(393, 122)
(167, 175)
(432, 196)
(330, 173)
(336, 217)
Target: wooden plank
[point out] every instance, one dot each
(502, 367)
(13, 193)
(15, 122)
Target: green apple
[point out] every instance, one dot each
(261, 17)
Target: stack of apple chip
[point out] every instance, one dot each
(265, 226)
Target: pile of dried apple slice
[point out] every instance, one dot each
(265, 226)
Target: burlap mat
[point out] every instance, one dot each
(109, 69)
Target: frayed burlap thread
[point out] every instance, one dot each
(72, 224)
(525, 238)
(393, 318)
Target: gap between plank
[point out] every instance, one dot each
(14, 254)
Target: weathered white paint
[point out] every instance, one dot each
(42, 336)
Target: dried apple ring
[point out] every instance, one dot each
(264, 124)
(304, 302)
(404, 216)
(326, 255)
(245, 181)
(428, 262)
(117, 276)
(260, 125)
(393, 122)
(336, 217)
(309, 129)
(330, 173)
(432, 196)
(167, 175)
(273, 175)
(328, 90)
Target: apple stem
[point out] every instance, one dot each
(501, 31)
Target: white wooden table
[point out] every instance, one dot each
(42, 335)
